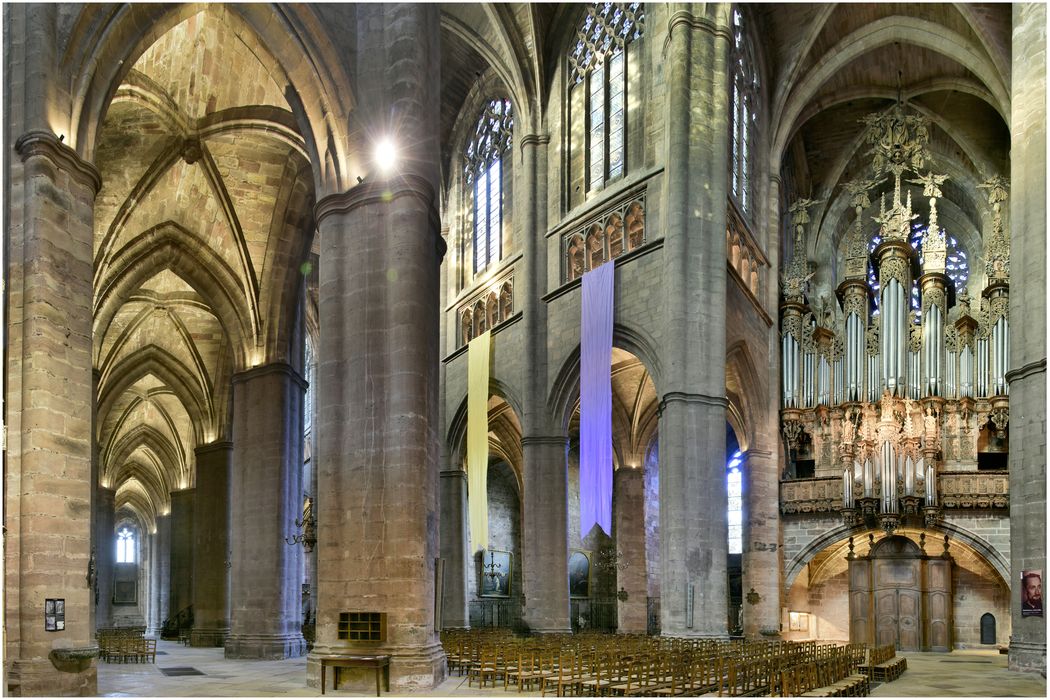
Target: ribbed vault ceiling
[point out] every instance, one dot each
(200, 225)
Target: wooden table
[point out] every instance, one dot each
(356, 661)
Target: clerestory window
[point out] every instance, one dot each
(598, 67)
(744, 87)
(125, 546)
(484, 174)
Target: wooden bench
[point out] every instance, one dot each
(379, 663)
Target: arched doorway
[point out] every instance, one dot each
(899, 595)
(988, 628)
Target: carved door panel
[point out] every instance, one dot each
(939, 605)
(886, 617)
(908, 620)
(861, 628)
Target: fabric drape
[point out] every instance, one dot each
(478, 352)
(596, 466)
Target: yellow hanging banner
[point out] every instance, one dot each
(478, 353)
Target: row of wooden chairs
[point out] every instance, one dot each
(125, 649)
(834, 676)
(627, 665)
(883, 664)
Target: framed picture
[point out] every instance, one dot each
(579, 574)
(798, 621)
(495, 574)
(1032, 593)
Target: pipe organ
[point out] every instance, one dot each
(902, 374)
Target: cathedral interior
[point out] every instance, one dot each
(339, 329)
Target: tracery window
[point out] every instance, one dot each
(598, 66)
(484, 173)
(735, 510)
(125, 546)
(744, 117)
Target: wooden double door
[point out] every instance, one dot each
(900, 596)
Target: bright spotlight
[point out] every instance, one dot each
(385, 155)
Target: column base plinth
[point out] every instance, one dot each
(1027, 656)
(265, 646)
(42, 678)
(209, 636)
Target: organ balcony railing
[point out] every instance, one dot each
(982, 490)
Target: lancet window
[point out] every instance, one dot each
(735, 510)
(125, 546)
(744, 114)
(484, 174)
(598, 85)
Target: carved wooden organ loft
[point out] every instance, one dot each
(901, 384)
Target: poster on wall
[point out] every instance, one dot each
(1032, 593)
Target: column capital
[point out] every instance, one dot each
(377, 192)
(685, 397)
(271, 368)
(1032, 368)
(704, 24)
(556, 440)
(535, 140)
(44, 144)
(453, 474)
(385, 192)
(217, 446)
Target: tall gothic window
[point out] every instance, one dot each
(598, 66)
(744, 118)
(125, 546)
(484, 173)
(735, 511)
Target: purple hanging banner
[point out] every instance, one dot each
(596, 464)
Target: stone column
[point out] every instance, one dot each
(545, 556)
(105, 553)
(378, 378)
(545, 544)
(629, 531)
(48, 394)
(266, 499)
(211, 534)
(454, 545)
(162, 567)
(762, 563)
(180, 596)
(693, 535)
(1027, 376)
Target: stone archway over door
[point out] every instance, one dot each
(901, 596)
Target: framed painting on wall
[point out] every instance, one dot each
(579, 574)
(495, 574)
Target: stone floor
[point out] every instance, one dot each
(962, 673)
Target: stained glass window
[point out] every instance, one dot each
(744, 116)
(735, 510)
(597, 63)
(484, 171)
